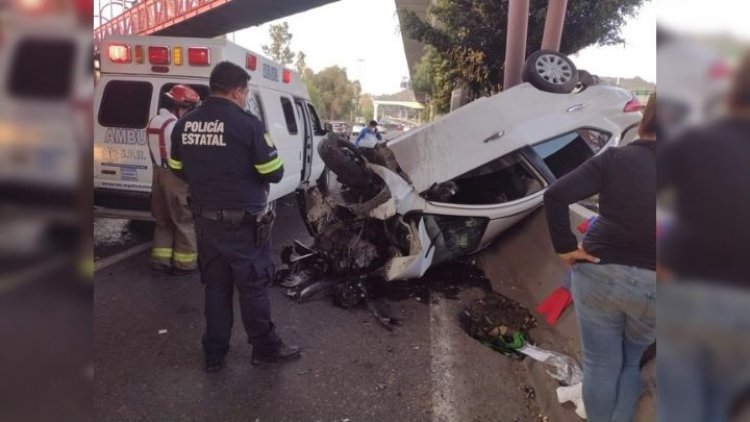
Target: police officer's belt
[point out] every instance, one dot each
(232, 216)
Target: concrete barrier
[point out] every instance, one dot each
(522, 265)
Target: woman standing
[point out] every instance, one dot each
(614, 277)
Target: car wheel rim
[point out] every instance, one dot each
(554, 69)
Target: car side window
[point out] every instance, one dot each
(566, 152)
(291, 119)
(504, 179)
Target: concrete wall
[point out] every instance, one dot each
(522, 265)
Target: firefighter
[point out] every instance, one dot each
(229, 161)
(174, 247)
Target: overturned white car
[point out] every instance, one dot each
(448, 188)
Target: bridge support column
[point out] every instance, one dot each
(553, 26)
(515, 48)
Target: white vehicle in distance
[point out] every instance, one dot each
(448, 188)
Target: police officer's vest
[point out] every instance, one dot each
(221, 147)
(159, 131)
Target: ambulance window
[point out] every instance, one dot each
(254, 107)
(202, 91)
(126, 104)
(42, 69)
(291, 119)
(317, 127)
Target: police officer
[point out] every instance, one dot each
(174, 236)
(229, 161)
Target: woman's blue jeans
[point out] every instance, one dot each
(616, 310)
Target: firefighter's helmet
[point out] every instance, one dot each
(183, 96)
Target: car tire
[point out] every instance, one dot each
(345, 161)
(550, 71)
(587, 79)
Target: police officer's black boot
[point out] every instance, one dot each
(281, 353)
(214, 364)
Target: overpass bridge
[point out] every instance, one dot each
(194, 18)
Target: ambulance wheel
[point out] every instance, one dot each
(343, 159)
(550, 71)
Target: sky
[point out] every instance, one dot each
(363, 37)
(726, 17)
(636, 57)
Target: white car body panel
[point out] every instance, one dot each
(493, 126)
(415, 265)
(488, 129)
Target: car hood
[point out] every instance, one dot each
(490, 127)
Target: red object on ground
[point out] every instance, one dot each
(554, 305)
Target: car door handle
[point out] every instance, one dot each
(576, 107)
(495, 137)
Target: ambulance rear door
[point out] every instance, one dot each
(123, 107)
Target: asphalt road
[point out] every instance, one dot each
(352, 369)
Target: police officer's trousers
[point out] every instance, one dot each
(174, 235)
(229, 259)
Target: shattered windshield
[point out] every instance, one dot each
(452, 236)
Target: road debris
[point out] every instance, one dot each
(503, 325)
(162, 332)
(324, 269)
(498, 322)
(573, 394)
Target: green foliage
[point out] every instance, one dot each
(337, 93)
(331, 92)
(366, 108)
(467, 45)
(280, 48)
(300, 65)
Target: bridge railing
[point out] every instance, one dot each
(150, 16)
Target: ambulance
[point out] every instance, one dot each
(133, 74)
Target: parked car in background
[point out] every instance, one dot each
(357, 127)
(341, 128)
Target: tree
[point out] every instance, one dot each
(280, 48)
(367, 109)
(336, 93)
(467, 43)
(300, 64)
